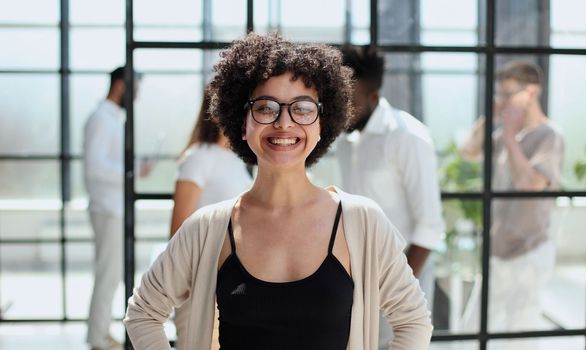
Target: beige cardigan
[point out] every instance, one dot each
(186, 273)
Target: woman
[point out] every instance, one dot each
(292, 266)
(209, 172)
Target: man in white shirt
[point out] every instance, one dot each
(103, 165)
(388, 155)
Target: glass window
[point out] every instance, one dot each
(153, 219)
(537, 278)
(29, 219)
(30, 281)
(454, 345)
(530, 23)
(45, 12)
(30, 181)
(456, 303)
(165, 112)
(97, 49)
(569, 343)
(22, 48)
(175, 20)
(417, 83)
(79, 279)
(228, 20)
(430, 23)
(28, 128)
(302, 20)
(560, 100)
(110, 12)
(360, 20)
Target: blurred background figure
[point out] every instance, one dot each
(388, 155)
(528, 150)
(209, 172)
(103, 165)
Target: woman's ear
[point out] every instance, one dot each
(244, 130)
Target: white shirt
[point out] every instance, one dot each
(393, 162)
(103, 161)
(217, 171)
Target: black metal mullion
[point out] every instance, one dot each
(65, 143)
(249, 16)
(129, 195)
(373, 23)
(487, 180)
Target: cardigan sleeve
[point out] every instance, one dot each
(401, 300)
(165, 285)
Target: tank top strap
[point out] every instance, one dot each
(231, 236)
(335, 228)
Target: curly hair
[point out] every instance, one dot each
(254, 59)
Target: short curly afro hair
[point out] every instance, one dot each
(254, 59)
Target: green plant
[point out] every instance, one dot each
(580, 169)
(459, 175)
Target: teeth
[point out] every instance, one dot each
(284, 142)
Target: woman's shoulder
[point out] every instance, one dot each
(354, 204)
(209, 218)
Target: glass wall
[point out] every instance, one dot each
(440, 58)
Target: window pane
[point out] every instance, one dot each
(29, 128)
(417, 84)
(97, 12)
(564, 296)
(530, 23)
(80, 282)
(302, 20)
(360, 15)
(458, 271)
(428, 22)
(228, 20)
(97, 49)
(22, 48)
(561, 101)
(566, 343)
(79, 278)
(538, 265)
(77, 221)
(86, 92)
(167, 60)
(567, 23)
(153, 219)
(454, 345)
(29, 219)
(30, 180)
(30, 281)
(45, 12)
(175, 20)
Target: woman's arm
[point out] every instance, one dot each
(402, 301)
(186, 199)
(165, 285)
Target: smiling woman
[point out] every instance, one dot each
(291, 265)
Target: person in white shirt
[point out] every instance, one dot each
(209, 172)
(388, 155)
(103, 166)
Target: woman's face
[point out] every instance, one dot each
(283, 143)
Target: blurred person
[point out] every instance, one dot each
(103, 165)
(209, 172)
(528, 150)
(388, 155)
(291, 265)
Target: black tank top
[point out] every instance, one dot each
(310, 313)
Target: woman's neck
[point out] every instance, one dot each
(282, 188)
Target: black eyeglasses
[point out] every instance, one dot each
(265, 110)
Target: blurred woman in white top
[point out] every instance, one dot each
(209, 172)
